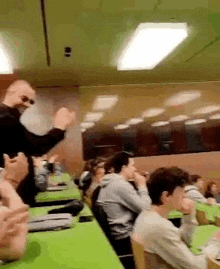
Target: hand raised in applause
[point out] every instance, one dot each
(64, 118)
(15, 169)
(10, 223)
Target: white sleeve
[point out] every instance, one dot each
(187, 228)
(169, 246)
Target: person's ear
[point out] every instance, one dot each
(123, 167)
(164, 197)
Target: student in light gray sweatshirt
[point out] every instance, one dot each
(120, 201)
(167, 246)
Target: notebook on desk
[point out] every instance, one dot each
(56, 188)
(50, 222)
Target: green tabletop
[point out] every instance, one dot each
(65, 177)
(81, 247)
(175, 214)
(49, 196)
(211, 211)
(201, 236)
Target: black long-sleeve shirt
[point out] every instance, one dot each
(14, 138)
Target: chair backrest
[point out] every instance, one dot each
(139, 255)
(212, 263)
(100, 215)
(88, 201)
(217, 221)
(147, 260)
(95, 195)
(155, 261)
(201, 217)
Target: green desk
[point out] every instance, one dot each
(49, 196)
(202, 233)
(175, 214)
(201, 236)
(82, 247)
(211, 211)
(65, 177)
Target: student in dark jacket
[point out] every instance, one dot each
(16, 138)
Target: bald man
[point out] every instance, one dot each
(14, 137)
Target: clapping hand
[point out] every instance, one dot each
(64, 118)
(15, 168)
(11, 222)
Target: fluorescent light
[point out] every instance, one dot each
(5, 65)
(178, 118)
(215, 117)
(150, 44)
(152, 112)
(93, 116)
(206, 109)
(183, 98)
(197, 121)
(103, 102)
(87, 124)
(121, 126)
(159, 123)
(134, 121)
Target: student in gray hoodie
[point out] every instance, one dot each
(120, 201)
(193, 190)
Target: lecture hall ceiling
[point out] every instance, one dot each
(96, 30)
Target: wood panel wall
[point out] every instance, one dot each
(206, 164)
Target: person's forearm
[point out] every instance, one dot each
(187, 228)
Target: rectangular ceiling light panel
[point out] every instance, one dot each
(87, 124)
(150, 44)
(5, 63)
(93, 116)
(104, 102)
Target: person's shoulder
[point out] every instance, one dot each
(122, 185)
(152, 222)
(4, 111)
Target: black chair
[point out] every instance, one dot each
(100, 214)
(127, 260)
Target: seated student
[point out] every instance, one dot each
(120, 201)
(13, 212)
(98, 172)
(162, 241)
(86, 176)
(193, 190)
(211, 190)
(42, 170)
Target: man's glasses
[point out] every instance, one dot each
(26, 99)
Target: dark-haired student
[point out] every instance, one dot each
(120, 201)
(166, 245)
(211, 190)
